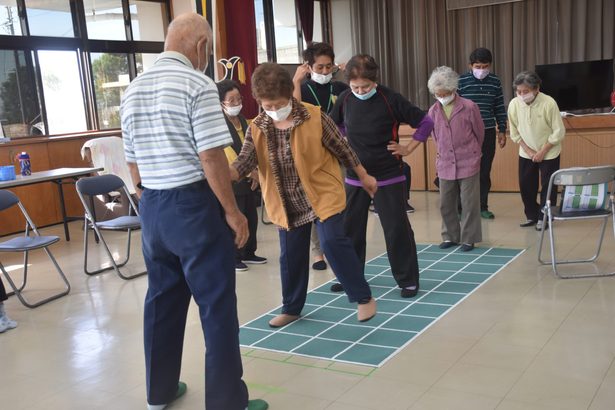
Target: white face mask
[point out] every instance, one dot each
(480, 73)
(282, 113)
(232, 111)
(321, 78)
(446, 100)
(527, 98)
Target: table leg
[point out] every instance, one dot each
(63, 209)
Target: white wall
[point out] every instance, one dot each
(342, 37)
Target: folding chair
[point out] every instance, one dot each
(108, 153)
(87, 189)
(602, 178)
(25, 244)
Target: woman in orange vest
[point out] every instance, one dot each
(298, 149)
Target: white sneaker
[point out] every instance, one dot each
(6, 324)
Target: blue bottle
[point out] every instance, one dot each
(24, 163)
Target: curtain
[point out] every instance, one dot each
(409, 38)
(306, 16)
(240, 35)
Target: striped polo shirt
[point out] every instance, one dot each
(169, 114)
(487, 94)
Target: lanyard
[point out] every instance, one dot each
(316, 97)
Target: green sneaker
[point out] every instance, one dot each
(487, 214)
(181, 390)
(257, 404)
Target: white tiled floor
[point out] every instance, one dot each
(524, 340)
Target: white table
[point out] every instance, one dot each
(56, 176)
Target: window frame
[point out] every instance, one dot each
(83, 47)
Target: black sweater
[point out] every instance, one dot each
(370, 126)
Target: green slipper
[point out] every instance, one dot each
(181, 390)
(257, 404)
(487, 214)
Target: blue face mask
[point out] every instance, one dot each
(367, 95)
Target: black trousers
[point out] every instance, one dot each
(389, 202)
(3, 296)
(529, 174)
(408, 174)
(247, 205)
(486, 160)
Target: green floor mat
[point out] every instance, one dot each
(328, 328)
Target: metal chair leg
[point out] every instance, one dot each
(18, 291)
(114, 264)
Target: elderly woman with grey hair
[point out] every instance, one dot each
(458, 133)
(537, 126)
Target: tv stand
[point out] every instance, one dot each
(593, 111)
(590, 121)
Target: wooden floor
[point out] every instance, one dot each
(523, 341)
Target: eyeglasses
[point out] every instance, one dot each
(233, 101)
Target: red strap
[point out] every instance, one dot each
(395, 130)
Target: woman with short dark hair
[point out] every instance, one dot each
(371, 114)
(536, 125)
(298, 149)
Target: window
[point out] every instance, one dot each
(19, 102)
(71, 76)
(50, 18)
(149, 20)
(63, 93)
(111, 78)
(278, 31)
(286, 38)
(261, 37)
(104, 20)
(317, 34)
(9, 19)
(145, 61)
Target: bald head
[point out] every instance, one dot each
(190, 34)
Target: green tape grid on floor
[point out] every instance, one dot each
(328, 367)
(328, 328)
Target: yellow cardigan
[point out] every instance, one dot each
(319, 171)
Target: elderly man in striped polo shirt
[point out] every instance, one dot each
(174, 135)
(485, 89)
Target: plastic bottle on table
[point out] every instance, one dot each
(24, 163)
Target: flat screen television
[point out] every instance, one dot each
(578, 86)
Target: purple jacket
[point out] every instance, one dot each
(459, 139)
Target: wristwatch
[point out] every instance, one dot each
(140, 186)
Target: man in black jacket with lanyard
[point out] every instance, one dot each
(319, 90)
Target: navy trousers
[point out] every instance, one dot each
(189, 252)
(295, 262)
